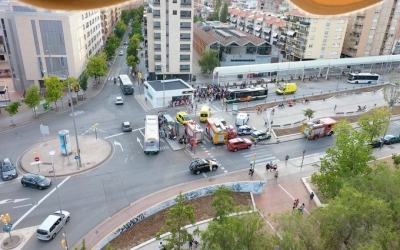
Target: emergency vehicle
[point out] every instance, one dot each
(318, 128)
(194, 131)
(216, 130)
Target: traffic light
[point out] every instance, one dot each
(64, 243)
(6, 219)
(76, 88)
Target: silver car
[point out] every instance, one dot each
(8, 171)
(245, 130)
(119, 100)
(126, 127)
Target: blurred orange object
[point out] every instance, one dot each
(333, 7)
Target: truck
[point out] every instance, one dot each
(194, 131)
(318, 128)
(216, 130)
(232, 133)
(287, 88)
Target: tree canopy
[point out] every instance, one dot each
(12, 109)
(208, 61)
(96, 67)
(120, 29)
(32, 97)
(309, 113)
(54, 89)
(375, 123)
(224, 13)
(112, 44)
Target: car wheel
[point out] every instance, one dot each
(235, 149)
(248, 147)
(198, 172)
(214, 168)
(66, 221)
(330, 133)
(40, 187)
(54, 235)
(24, 184)
(315, 137)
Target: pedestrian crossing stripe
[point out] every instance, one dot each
(397, 122)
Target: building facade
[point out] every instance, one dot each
(39, 43)
(170, 38)
(312, 37)
(373, 31)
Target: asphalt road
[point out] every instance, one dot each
(129, 174)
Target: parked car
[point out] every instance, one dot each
(391, 139)
(121, 53)
(375, 143)
(119, 100)
(126, 127)
(125, 43)
(183, 117)
(202, 165)
(35, 180)
(259, 135)
(8, 171)
(245, 130)
(238, 143)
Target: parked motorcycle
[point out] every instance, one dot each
(362, 108)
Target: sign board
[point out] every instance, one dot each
(37, 159)
(76, 157)
(8, 227)
(44, 129)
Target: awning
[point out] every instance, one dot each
(274, 34)
(291, 32)
(257, 29)
(258, 34)
(267, 31)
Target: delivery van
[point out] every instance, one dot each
(241, 119)
(205, 112)
(287, 88)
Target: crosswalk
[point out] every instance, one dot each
(124, 46)
(261, 157)
(397, 122)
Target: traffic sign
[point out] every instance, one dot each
(8, 227)
(76, 157)
(37, 158)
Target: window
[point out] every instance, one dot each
(323, 48)
(157, 25)
(156, 13)
(375, 20)
(186, 14)
(157, 67)
(339, 29)
(185, 25)
(185, 36)
(185, 67)
(310, 45)
(308, 53)
(157, 36)
(341, 21)
(174, 12)
(185, 57)
(157, 57)
(185, 47)
(174, 1)
(312, 37)
(313, 29)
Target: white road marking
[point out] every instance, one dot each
(118, 144)
(141, 132)
(12, 201)
(138, 140)
(23, 206)
(290, 196)
(204, 175)
(122, 133)
(125, 160)
(39, 202)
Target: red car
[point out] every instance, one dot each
(238, 143)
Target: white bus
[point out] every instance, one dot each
(363, 78)
(151, 143)
(126, 84)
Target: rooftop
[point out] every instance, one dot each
(173, 84)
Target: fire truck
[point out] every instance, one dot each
(318, 128)
(194, 131)
(218, 132)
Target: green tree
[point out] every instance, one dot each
(96, 67)
(197, 18)
(126, 16)
(391, 91)
(131, 61)
(54, 89)
(348, 158)
(12, 109)
(112, 44)
(309, 113)
(208, 61)
(133, 45)
(217, 9)
(120, 29)
(83, 81)
(137, 29)
(223, 203)
(224, 13)
(178, 216)
(32, 97)
(375, 123)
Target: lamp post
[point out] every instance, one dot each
(304, 152)
(163, 87)
(64, 241)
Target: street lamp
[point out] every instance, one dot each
(64, 241)
(163, 87)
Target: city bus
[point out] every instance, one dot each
(363, 78)
(151, 144)
(246, 94)
(126, 84)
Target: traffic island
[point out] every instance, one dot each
(11, 242)
(93, 152)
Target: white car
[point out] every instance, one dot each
(119, 100)
(121, 53)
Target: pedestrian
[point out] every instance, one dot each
(296, 202)
(226, 107)
(302, 207)
(273, 111)
(190, 244)
(334, 109)
(286, 159)
(294, 206)
(160, 246)
(69, 103)
(311, 196)
(251, 172)
(276, 176)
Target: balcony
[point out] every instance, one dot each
(156, 3)
(186, 3)
(156, 26)
(304, 23)
(359, 21)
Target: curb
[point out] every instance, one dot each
(309, 189)
(23, 170)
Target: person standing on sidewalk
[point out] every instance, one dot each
(311, 196)
(190, 244)
(251, 172)
(276, 175)
(334, 109)
(286, 159)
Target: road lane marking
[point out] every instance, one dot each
(138, 129)
(39, 202)
(204, 175)
(23, 206)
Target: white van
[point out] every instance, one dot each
(241, 119)
(52, 225)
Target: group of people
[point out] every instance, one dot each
(179, 102)
(212, 93)
(296, 204)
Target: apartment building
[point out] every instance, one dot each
(170, 39)
(38, 42)
(373, 31)
(312, 37)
